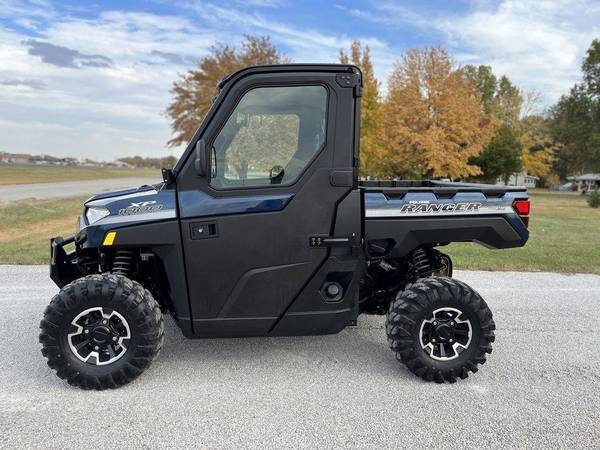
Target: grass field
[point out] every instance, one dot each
(26, 226)
(565, 236)
(15, 174)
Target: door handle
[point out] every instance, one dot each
(321, 241)
(203, 230)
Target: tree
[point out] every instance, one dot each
(508, 106)
(575, 123)
(486, 83)
(433, 119)
(261, 142)
(501, 157)
(591, 69)
(502, 100)
(575, 119)
(370, 109)
(193, 92)
(539, 148)
(507, 103)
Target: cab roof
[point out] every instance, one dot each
(274, 68)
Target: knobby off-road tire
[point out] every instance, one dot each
(437, 300)
(91, 318)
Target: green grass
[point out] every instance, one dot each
(565, 235)
(15, 174)
(26, 227)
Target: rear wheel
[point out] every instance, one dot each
(101, 331)
(440, 328)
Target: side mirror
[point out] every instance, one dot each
(200, 162)
(168, 176)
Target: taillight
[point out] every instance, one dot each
(523, 207)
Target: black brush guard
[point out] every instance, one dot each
(62, 268)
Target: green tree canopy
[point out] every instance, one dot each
(486, 83)
(591, 69)
(501, 157)
(575, 120)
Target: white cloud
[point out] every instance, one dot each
(538, 44)
(263, 3)
(303, 45)
(100, 112)
(299, 44)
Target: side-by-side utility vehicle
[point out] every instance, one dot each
(263, 228)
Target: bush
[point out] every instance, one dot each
(594, 199)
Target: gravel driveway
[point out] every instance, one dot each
(540, 387)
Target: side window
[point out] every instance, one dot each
(270, 137)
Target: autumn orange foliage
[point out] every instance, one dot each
(433, 118)
(193, 92)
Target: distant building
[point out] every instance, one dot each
(520, 179)
(69, 161)
(586, 182)
(15, 158)
(40, 160)
(123, 165)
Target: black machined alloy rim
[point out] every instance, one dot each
(446, 334)
(99, 336)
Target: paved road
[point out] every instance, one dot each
(15, 192)
(540, 388)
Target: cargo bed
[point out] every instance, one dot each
(408, 214)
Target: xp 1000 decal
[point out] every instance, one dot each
(141, 208)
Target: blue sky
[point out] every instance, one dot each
(92, 79)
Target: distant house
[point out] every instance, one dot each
(48, 159)
(586, 182)
(15, 158)
(69, 161)
(520, 179)
(124, 165)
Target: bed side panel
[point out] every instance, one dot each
(413, 219)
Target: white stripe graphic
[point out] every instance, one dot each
(397, 212)
(159, 215)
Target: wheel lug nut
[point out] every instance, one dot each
(86, 331)
(451, 340)
(433, 340)
(114, 338)
(435, 322)
(104, 322)
(452, 323)
(96, 348)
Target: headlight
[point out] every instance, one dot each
(95, 213)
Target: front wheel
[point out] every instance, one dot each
(101, 331)
(440, 329)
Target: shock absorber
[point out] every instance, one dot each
(123, 262)
(421, 263)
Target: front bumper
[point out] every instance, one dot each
(62, 269)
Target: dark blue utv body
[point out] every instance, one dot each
(259, 256)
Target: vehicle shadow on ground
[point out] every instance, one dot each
(363, 348)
